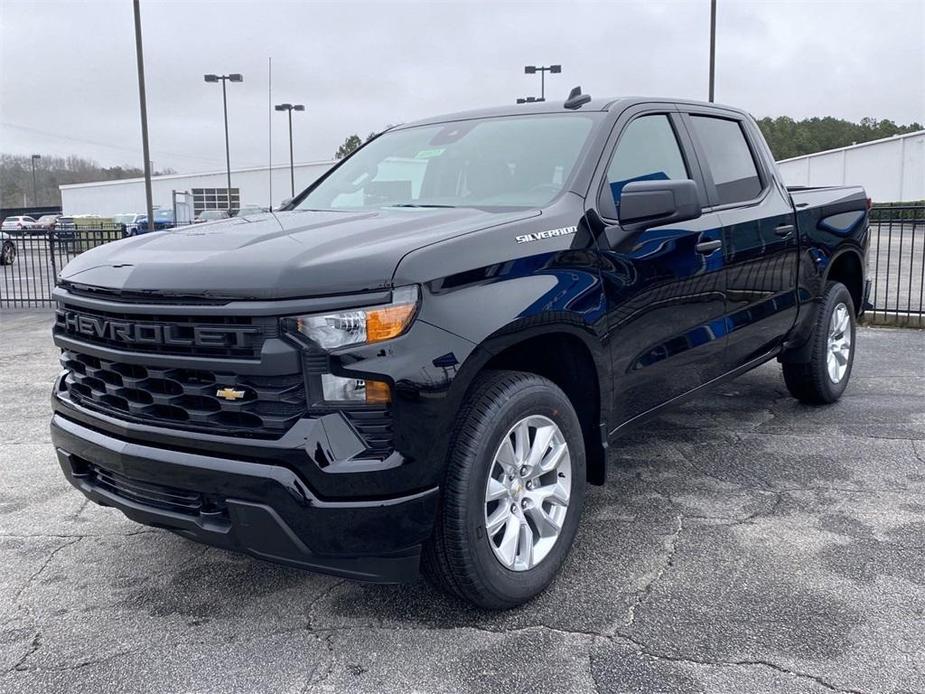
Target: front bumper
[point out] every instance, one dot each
(261, 509)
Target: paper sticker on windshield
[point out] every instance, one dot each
(430, 153)
(548, 234)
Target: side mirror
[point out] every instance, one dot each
(645, 204)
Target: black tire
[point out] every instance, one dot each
(7, 253)
(809, 381)
(458, 558)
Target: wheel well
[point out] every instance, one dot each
(566, 361)
(847, 269)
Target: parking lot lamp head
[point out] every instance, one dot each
(211, 78)
(542, 69)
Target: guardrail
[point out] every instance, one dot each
(896, 265)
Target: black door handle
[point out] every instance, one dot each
(708, 246)
(784, 230)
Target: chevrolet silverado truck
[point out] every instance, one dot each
(418, 365)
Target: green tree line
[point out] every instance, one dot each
(50, 172)
(793, 138)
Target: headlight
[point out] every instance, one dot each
(359, 326)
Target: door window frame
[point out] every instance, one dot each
(685, 145)
(685, 116)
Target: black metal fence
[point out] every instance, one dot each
(896, 263)
(30, 261)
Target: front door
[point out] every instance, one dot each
(665, 286)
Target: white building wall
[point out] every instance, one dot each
(114, 197)
(891, 170)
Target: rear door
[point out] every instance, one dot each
(758, 232)
(664, 286)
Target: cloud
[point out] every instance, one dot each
(68, 81)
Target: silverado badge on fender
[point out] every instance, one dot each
(229, 394)
(548, 234)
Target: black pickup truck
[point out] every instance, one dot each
(418, 365)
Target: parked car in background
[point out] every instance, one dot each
(19, 223)
(163, 219)
(7, 249)
(251, 209)
(129, 220)
(47, 222)
(211, 216)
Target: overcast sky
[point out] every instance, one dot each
(68, 81)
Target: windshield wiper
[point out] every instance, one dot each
(414, 204)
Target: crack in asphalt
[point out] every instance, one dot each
(915, 449)
(69, 667)
(81, 536)
(644, 649)
(34, 646)
(44, 566)
(671, 548)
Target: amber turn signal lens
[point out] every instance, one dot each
(388, 322)
(378, 393)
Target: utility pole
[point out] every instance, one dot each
(144, 114)
(712, 47)
(35, 197)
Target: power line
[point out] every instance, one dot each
(123, 148)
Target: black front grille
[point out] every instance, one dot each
(183, 501)
(256, 406)
(167, 498)
(234, 337)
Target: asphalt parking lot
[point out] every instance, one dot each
(744, 543)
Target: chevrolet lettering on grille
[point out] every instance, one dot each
(167, 334)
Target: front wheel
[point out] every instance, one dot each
(7, 253)
(513, 493)
(823, 378)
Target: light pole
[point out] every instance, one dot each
(290, 108)
(542, 69)
(712, 47)
(234, 77)
(35, 198)
(139, 57)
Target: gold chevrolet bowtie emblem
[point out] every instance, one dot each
(229, 394)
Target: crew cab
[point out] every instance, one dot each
(419, 364)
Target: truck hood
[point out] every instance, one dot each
(282, 255)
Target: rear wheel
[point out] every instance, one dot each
(7, 253)
(513, 493)
(823, 378)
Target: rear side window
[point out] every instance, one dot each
(648, 151)
(729, 158)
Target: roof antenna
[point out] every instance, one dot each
(576, 99)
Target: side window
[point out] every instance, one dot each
(729, 158)
(648, 150)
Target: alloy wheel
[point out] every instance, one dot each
(527, 494)
(838, 349)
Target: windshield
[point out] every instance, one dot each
(515, 161)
